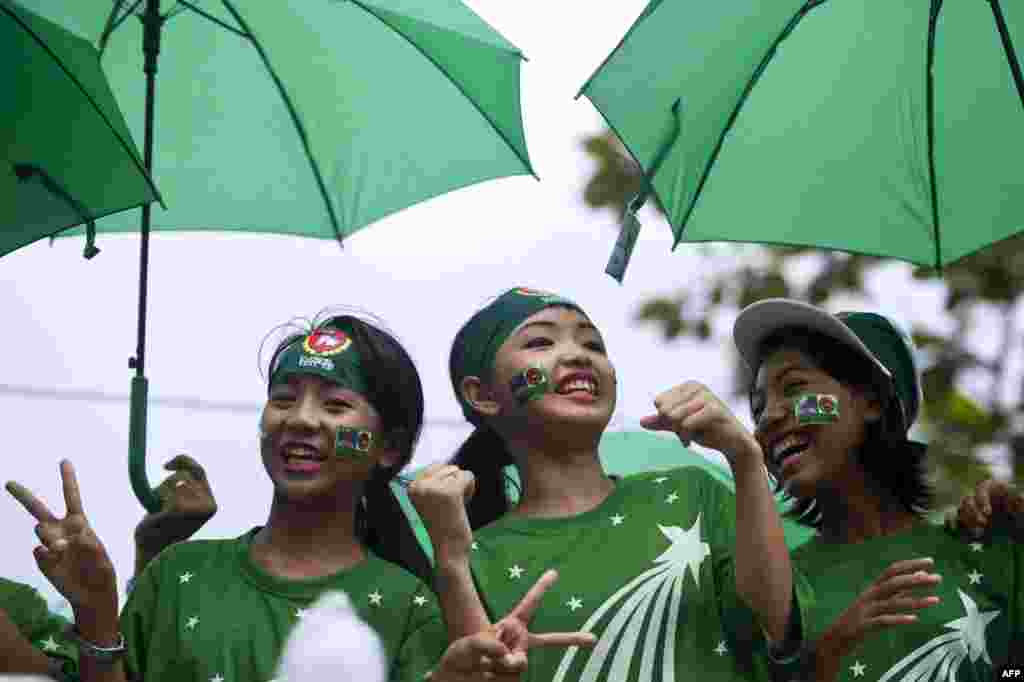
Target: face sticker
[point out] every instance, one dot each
(530, 384)
(350, 442)
(325, 342)
(816, 408)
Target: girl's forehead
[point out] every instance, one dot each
(560, 316)
(317, 383)
(780, 362)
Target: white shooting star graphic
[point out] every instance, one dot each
(657, 592)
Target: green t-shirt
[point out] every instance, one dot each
(964, 638)
(34, 620)
(203, 611)
(649, 572)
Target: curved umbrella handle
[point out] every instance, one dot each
(137, 446)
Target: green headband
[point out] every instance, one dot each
(479, 339)
(327, 352)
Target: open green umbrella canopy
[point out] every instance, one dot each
(624, 453)
(68, 158)
(314, 118)
(887, 128)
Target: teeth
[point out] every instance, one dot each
(579, 385)
(302, 451)
(787, 443)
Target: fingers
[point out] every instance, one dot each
(900, 605)
(562, 639)
(528, 604)
(970, 517)
(907, 566)
(72, 496)
(184, 463)
(31, 503)
(902, 583)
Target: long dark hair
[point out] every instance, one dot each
(484, 454)
(892, 462)
(395, 391)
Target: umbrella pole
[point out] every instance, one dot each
(1011, 54)
(152, 24)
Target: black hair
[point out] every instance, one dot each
(395, 391)
(886, 456)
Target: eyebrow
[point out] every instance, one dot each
(791, 367)
(548, 325)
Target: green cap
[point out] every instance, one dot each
(875, 337)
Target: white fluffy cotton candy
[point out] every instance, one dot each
(25, 678)
(331, 642)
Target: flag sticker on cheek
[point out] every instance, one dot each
(530, 384)
(816, 408)
(351, 442)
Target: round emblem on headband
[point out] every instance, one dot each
(827, 404)
(534, 376)
(364, 440)
(526, 291)
(324, 342)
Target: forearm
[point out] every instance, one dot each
(764, 574)
(463, 610)
(826, 660)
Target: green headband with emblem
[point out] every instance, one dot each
(328, 352)
(478, 341)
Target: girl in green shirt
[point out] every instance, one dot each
(834, 397)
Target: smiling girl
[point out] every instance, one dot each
(645, 563)
(834, 397)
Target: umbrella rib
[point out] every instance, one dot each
(210, 17)
(789, 28)
(498, 130)
(113, 24)
(1011, 53)
(85, 93)
(933, 19)
(299, 127)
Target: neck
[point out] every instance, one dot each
(861, 511)
(558, 481)
(309, 538)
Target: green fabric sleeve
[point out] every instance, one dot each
(420, 651)
(44, 629)
(136, 619)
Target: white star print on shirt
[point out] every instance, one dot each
(419, 600)
(975, 577)
(617, 519)
(192, 623)
(375, 598)
(574, 603)
(672, 498)
(475, 546)
(661, 479)
(721, 649)
(185, 577)
(944, 654)
(976, 546)
(858, 669)
(217, 678)
(49, 644)
(515, 572)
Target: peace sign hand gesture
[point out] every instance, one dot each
(500, 652)
(70, 555)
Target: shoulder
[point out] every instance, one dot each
(690, 477)
(189, 557)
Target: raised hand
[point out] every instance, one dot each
(694, 413)
(187, 503)
(70, 555)
(992, 502)
(889, 601)
(500, 652)
(439, 495)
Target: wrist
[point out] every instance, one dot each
(451, 563)
(99, 625)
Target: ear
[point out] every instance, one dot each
(479, 397)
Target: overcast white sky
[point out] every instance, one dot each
(70, 324)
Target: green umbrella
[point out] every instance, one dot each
(624, 453)
(68, 156)
(314, 118)
(886, 128)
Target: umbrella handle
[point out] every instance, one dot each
(137, 446)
